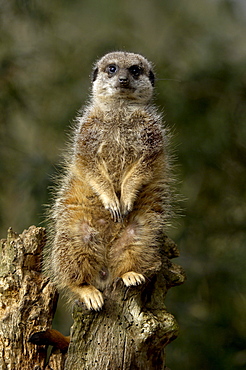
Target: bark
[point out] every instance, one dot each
(27, 300)
(133, 328)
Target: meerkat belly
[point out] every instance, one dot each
(85, 214)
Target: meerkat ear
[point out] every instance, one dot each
(152, 77)
(94, 74)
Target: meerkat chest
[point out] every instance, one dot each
(120, 145)
(119, 142)
(110, 142)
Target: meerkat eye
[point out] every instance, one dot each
(111, 69)
(135, 70)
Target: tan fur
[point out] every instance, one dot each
(113, 202)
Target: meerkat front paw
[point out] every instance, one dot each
(126, 208)
(114, 209)
(126, 202)
(91, 296)
(132, 278)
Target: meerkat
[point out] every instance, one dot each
(113, 202)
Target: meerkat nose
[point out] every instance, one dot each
(124, 81)
(123, 77)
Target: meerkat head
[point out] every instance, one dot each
(122, 76)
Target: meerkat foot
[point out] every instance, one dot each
(91, 296)
(132, 278)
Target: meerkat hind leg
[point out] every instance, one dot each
(91, 296)
(132, 278)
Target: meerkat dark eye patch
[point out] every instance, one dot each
(152, 77)
(111, 69)
(94, 74)
(135, 70)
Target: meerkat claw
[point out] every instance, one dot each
(91, 296)
(126, 209)
(116, 215)
(132, 278)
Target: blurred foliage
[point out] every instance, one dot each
(199, 49)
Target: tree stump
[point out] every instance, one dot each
(130, 332)
(132, 329)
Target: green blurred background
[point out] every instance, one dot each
(47, 50)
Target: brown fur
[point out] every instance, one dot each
(114, 199)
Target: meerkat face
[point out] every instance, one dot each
(123, 76)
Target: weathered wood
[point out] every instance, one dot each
(27, 300)
(56, 361)
(132, 329)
